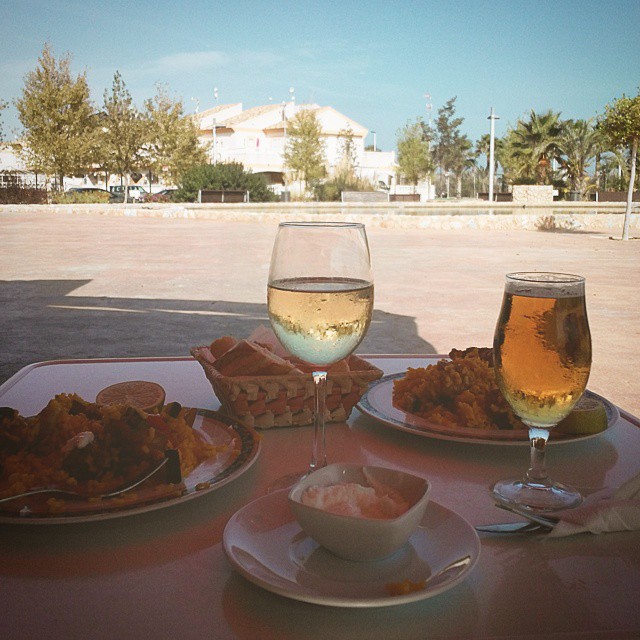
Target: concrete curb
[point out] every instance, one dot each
(562, 216)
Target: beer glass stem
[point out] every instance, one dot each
(537, 473)
(319, 450)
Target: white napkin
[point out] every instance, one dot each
(608, 511)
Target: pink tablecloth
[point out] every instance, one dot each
(164, 574)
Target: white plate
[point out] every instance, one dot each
(266, 545)
(377, 402)
(209, 476)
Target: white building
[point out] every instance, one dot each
(257, 137)
(13, 169)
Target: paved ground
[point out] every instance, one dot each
(98, 286)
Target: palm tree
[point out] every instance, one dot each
(469, 177)
(613, 172)
(579, 143)
(483, 145)
(461, 158)
(530, 148)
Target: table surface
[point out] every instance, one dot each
(163, 574)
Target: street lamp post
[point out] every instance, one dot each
(284, 117)
(285, 193)
(284, 128)
(428, 106)
(214, 125)
(492, 136)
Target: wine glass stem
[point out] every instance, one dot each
(537, 473)
(319, 451)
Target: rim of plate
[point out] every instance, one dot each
(403, 421)
(249, 452)
(437, 517)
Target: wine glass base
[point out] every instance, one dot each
(536, 496)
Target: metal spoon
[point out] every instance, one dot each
(460, 564)
(171, 459)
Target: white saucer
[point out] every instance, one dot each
(266, 545)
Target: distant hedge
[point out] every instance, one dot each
(77, 197)
(224, 175)
(17, 194)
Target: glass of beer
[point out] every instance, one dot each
(542, 356)
(320, 301)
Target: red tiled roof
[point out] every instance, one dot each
(247, 114)
(217, 109)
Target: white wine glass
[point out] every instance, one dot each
(320, 301)
(542, 357)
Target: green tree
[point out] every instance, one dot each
(414, 157)
(530, 148)
(451, 149)
(348, 159)
(223, 175)
(173, 146)
(125, 133)
(579, 143)
(58, 118)
(304, 151)
(621, 125)
(3, 106)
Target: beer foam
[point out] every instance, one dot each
(545, 285)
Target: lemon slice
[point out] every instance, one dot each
(588, 416)
(148, 396)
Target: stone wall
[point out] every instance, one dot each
(589, 217)
(532, 194)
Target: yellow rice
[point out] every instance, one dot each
(127, 443)
(461, 392)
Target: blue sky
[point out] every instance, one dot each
(373, 61)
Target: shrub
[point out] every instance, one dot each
(331, 190)
(78, 197)
(17, 194)
(224, 175)
(158, 197)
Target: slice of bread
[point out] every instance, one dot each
(250, 359)
(222, 345)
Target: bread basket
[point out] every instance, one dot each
(266, 401)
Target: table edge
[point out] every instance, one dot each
(16, 377)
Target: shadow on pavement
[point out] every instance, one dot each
(41, 321)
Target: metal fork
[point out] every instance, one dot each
(546, 520)
(513, 528)
(171, 460)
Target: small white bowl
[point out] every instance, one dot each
(357, 538)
